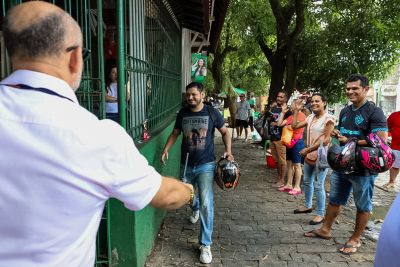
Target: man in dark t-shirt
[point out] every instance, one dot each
(357, 120)
(278, 150)
(198, 122)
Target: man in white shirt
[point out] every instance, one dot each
(58, 163)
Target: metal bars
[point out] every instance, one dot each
(154, 65)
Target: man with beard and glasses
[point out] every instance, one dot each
(59, 163)
(198, 122)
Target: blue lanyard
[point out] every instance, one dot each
(38, 89)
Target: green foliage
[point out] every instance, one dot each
(246, 66)
(349, 37)
(339, 38)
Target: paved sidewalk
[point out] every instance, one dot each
(255, 226)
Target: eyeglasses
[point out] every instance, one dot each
(85, 52)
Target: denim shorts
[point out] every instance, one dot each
(293, 154)
(362, 186)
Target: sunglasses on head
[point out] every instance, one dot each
(85, 52)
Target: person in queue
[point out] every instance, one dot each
(320, 125)
(357, 120)
(278, 150)
(293, 157)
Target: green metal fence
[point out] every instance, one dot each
(153, 65)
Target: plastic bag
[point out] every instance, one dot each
(255, 136)
(322, 161)
(286, 137)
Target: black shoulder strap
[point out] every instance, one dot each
(38, 89)
(211, 114)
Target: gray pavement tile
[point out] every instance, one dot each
(361, 264)
(333, 264)
(255, 226)
(334, 257)
(301, 264)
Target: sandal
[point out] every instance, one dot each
(277, 185)
(284, 189)
(294, 192)
(312, 222)
(316, 234)
(353, 248)
(388, 186)
(298, 211)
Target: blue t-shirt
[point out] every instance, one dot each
(359, 123)
(198, 134)
(276, 131)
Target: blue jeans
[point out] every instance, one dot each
(202, 178)
(315, 179)
(113, 116)
(362, 186)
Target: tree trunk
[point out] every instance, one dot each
(291, 74)
(277, 76)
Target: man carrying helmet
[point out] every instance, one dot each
(198, 122)
(357, 120)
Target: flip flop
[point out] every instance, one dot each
(294, 192)
(314, 233)
(277, 185)
(312, 222)
(284, 189)
(354, 247)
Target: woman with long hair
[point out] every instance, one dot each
(293, 157)
(200, 68)
(319, 124)
(112, 95)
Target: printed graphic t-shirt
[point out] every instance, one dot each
(198, 130)
(275, 131)
(362, 121)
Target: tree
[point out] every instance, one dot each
(281, 54)
(315, 45)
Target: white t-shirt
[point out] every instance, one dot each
(315, 127)
(242, 112)
(112, 107)
(58, 166)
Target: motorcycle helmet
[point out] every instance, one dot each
(377, 157)
(343, 158)
(227, 174)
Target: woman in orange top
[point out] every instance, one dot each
(293, 158)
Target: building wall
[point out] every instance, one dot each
(132, 234)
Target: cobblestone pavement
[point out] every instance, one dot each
(255, 225)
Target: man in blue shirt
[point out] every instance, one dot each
(197, 122)
(357, 121)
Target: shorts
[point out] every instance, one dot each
(396, 163)
(243, 123)
(278, 151)
(293, 154)
(362, 186)
(251, 121)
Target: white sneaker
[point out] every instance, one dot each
(205, 254)
(195, 216)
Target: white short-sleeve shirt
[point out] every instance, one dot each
(58, 166)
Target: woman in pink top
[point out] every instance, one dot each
(293, 158)
(319, 127)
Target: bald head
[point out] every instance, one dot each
(38, 29)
